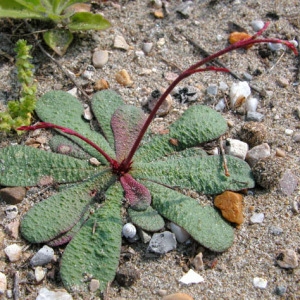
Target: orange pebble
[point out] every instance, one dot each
(178, 296)
(236, 36)
(231, 206)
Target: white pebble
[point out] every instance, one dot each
(289, 131)
(257, 25)
(276, 46)
(220, 105)
(13, 252)
(39, 273)
(239, 92)
(89, 72)
(3, 283)
(236, 148)
(260, 283)
(251, 104)
(223, 86)
(129, 231)
(11, 211)
(257, 218)
(191, 277)
(100, 58)
(147, 47)
(73, 92)
(45, 294)
(294, 42)
(121, 43)
(180, 233)
(87, 113)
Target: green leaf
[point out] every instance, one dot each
(13, 9)
(148, 219)
(63, 109)
(203, 174)
(197, 125)
(95, 249)
(104, 104)
(58, 40)
(27, 166)
(59, 213)
(204, 224)
(87, 21)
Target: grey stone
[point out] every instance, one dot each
(296, 138)
(212, 90)
(280, 290)
(275, 230)
(288, 183)
(100, 58)
(257, 218)
(257, 153)
(162, 243)
(257, 25)
(254, 116)
(247, 76)
(42, 257)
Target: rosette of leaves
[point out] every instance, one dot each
(62, 13)
(86, 212)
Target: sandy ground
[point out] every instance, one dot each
(228, 275)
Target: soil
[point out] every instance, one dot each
(227, 275)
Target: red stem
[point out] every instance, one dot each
(112, 162)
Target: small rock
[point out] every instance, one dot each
(89, 72)
(287, 259)
(253, 133)
(180, 234)
(254, 116)
(178, 296)
(94, 285)
(13, 195)
(289, 132)
(157, 4)
(231, 206)
(13, 252)
(257, 153)
(296, 138)
(162, 243)
(123, 78)
(212, 90)
(11, 211)
(298, 112)
(45, 294)
(280, 153)
(295, 207)
(251, 104)
(288, 183)
(198, 262)
(147, 47)
(257, 25)
(185, 9)
(3, 283)
(101, 84)
(260, 283)
(126, 277)
(283, 82)
(42, 257)
(39, 273)
(275, 230)
(236, 148)
(220, 105)
(87, 113)
(94, 161)
(223, 86)
(145, 237)
(166, 105)
(13, 228)
(186, 94)
(100, 58)
(73, 92)
(257, 218)
(191, 277)
(239, 92)
(276, 47)
(120, 43)
(161, 42)
(280, 290)
(247, 76)
(159, 14)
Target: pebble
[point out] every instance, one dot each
(253, 133)
(39, 273)
(254, 116)
(260, 283)
(257, 218)
(185, 9)
(120, 43)
(89, 72)
(275, 230)
(256, 153)
(166, 105)
(11, 212)
(283, 82)
(13, 252)
(123, 78)
(126, 276)
(12, 228)
(101, 84)
(280, 290)
(239, 92)
(178, 296)
(45, 294)
(162, 243)
(238, 36)
(276, 47)
(73, 92)
(129, 231)
(180, 234)
(212, 90)
(159, 14)
(94, 161)
(94, 285)
(298, 112)
(287, 259)
(220, 105)
(157, 4)
(288, 183)
(100, 58)
(247, 76)
(223, 86)
(87, 113)
(191, 277)
(198, 262)
(42, 257)
(145, 237)
(13, 195)
(3, 283)
(296, 138)
(280, 153)
(147, 47)
(295, 207)
(289, 132)
(236, 148)
(257, 25)
(231, 206)
(251, 104)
